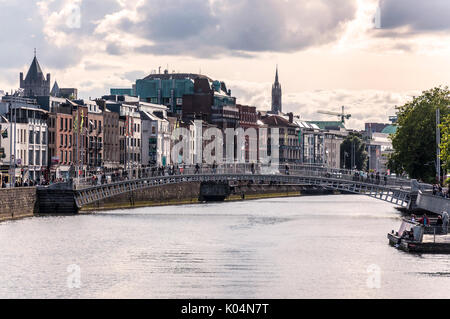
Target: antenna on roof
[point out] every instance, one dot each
(34, 52)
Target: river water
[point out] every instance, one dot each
(302, 247)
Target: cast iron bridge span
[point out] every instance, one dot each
(400, 195)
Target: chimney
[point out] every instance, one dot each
(291, 117)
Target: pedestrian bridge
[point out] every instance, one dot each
(398, 192)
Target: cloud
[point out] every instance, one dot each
(227, 27)
(133, 75)
(364, 105)
(415, 16)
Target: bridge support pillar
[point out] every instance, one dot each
(56, 201)
(214, 191)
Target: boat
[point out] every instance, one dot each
(413, 237)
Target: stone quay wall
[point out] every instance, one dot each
(189, 193)
(17, 202)
(435, 204)
(172, 194)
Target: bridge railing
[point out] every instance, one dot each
(282, 169)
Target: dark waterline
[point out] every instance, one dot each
(303, 247)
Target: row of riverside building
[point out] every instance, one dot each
(49, 135)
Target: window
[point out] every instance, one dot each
(62, 124)
(65, 122)
(179, 101)
(38, 158)
(44, 158)
(70, 124)
(30, 157)
(44, 137)
(62, 141)
(31, 137)
(38, 137)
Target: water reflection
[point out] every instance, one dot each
(305, 247)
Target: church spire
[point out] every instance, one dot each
(35, 83)
(276, 75)
(276, 95)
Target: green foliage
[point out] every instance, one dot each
(414, 142)
(445, 142)
(361, 155)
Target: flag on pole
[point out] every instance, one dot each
(82, 120)
(75, 122)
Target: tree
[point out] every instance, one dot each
(414, 142)
(353, 144)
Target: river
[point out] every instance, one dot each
(299, 247)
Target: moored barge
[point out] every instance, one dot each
(415, 238)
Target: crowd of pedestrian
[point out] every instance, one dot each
(31, 182)
(371, 177)
(441, 224)
(438, 190)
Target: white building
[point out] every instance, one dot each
(379, 148)
(155, 135)
(25, 142)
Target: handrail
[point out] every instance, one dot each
(300, 170)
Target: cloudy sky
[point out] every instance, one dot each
(329, 52)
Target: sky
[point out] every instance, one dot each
(367, 55)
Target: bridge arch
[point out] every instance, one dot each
(392, 194)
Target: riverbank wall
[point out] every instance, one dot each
(17, 203)
(189, 193)
(174, 194)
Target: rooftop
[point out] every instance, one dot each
(390, 129)
(176, 76)
(328, 125)
(35, 72)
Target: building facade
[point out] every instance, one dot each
(25, 140)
